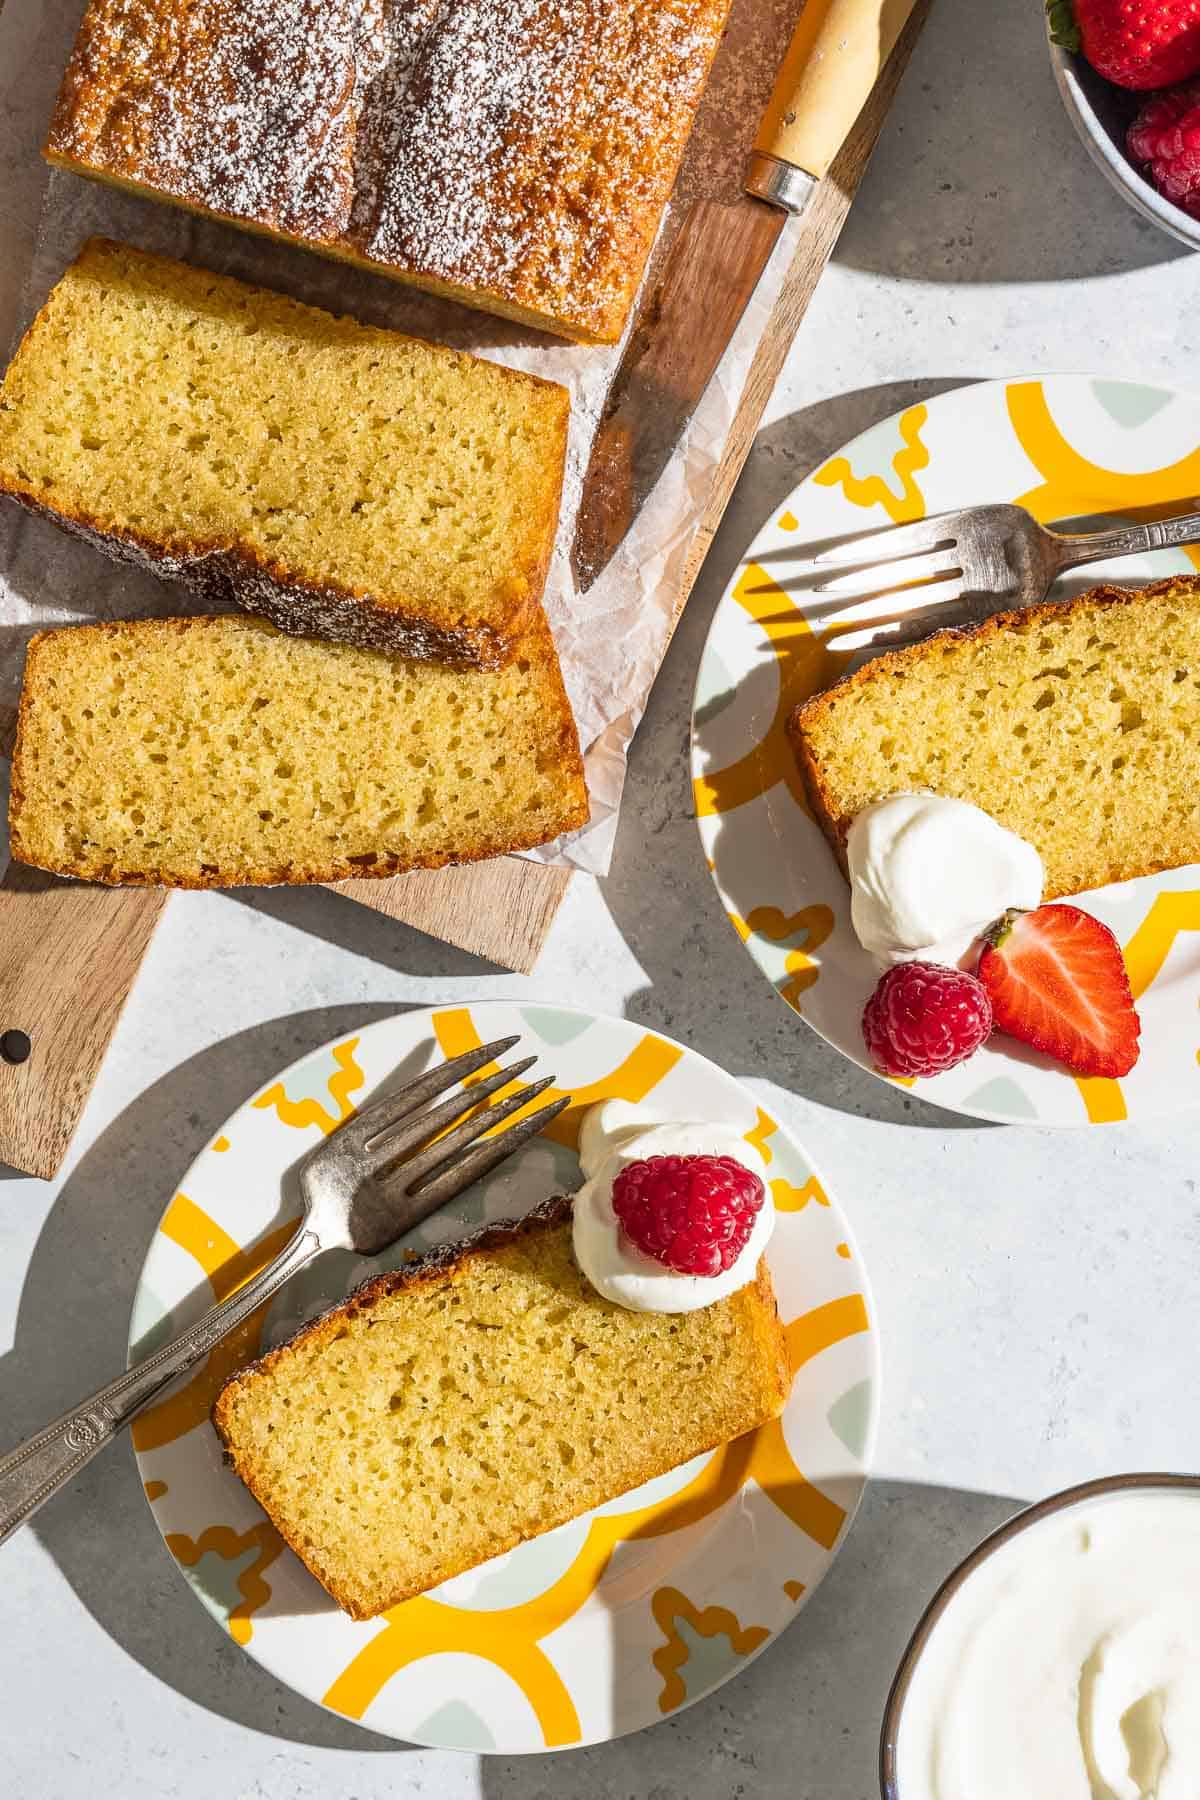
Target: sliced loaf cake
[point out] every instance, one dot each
(1076, 724)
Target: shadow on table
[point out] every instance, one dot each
(802, 1720)
(70, 1338)
(980, 176)
(660, 893)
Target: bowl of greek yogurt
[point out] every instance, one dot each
(1061, 1659)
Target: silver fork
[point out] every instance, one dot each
(362, 1189)
(956, 569)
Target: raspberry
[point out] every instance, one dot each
(693, 1213)
(1165, 140)
(923, 1019)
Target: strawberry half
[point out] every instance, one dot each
(1057, 980)
(1135, 43)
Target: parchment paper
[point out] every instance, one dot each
(612, 639)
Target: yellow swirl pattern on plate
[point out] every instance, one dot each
(698, 1632)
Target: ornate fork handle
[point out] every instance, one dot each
(1127, 540)
(35, 1470)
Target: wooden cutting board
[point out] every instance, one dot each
(69, 953)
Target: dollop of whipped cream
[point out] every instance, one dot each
(617, 1132)
(928, 874)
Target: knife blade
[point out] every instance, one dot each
(835, 56)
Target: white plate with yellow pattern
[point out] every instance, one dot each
(613, 1621)
(1065, 447)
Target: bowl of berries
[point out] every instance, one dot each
(1129, 75)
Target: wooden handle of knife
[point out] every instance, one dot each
(68, 957)
(832, 63)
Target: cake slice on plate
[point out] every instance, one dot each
(449, 1411)
(1074, 724)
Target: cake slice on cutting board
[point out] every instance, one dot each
(341, 480)
(219, 752)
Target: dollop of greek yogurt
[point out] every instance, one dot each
(928, 874)
(615, 1133)
(1067, 1665)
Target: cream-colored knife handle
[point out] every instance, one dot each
(836, 54)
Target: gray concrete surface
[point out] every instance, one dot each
(1036, 1291)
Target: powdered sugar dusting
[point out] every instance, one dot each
(518, 149)
(247, 106)
(529, 142)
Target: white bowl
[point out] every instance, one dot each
(889, 1779)
(1101, 114)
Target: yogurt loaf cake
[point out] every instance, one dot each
(1075, 724)
(479, 1397)
(513, 154)
(342, 480)
(218, 752)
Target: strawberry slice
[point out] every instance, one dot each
(1057, 980)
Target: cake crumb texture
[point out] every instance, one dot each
(216, 752)
(447, 1412)
(516, 154)
(342, 479)
(1075, 723)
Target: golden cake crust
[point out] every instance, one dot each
(809, 722)
(513, 154)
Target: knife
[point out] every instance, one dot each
(836, 54)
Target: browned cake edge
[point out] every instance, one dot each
(575, 811)
(223, 577)
(810, 714)
(433, 1266)
(238, 574)
(602, 325)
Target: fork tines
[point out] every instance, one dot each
(435, 1151)
(900, 583)
(938, 531)
(449, 1178)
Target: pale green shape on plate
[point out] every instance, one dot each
(555, 1024)
(873, 452)
(151, 1325)
(455, 1726)
(1000, 1095)
(850, 1417)
(710, 1660)
(659, 1488)
(715, 687)
(521, 1575)
(1128, 403)
(311, 1080)
(216, 1580)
